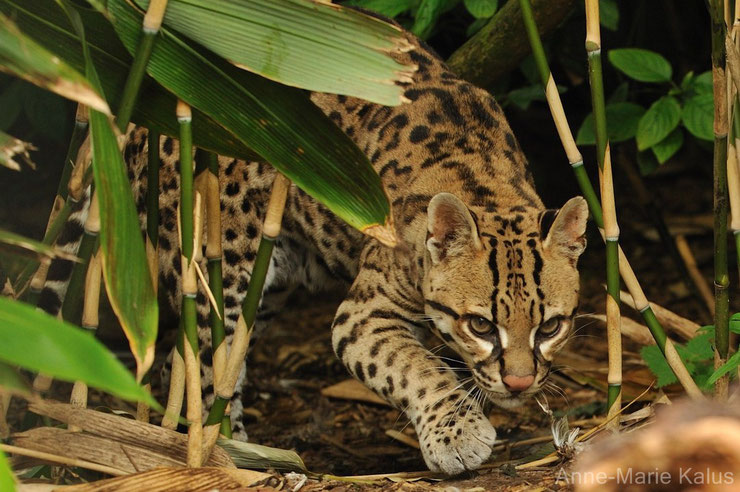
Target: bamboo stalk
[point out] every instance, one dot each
(150, 28)
(721, 278)
(176, 390)
(224, 388)
(4, 404)
(566, 136)
(733, 166)
(152, 240)
(189, 287)
(213, 254)
(608, 205)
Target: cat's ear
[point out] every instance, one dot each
(451, 227)
(564, 230)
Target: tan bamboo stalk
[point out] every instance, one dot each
(4, 404)
(176, 390)
(720, 127)
(701, 283)
(613, 316)
(224, 388)
(609, 213)
(91, 301)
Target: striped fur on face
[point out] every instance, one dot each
(503, 291)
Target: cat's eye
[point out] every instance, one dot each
(480, 325)
(550, 327)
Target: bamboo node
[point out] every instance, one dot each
(183, 111)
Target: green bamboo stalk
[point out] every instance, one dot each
(72, 305)
(611, 229)
(576, 161)
(152, 190)
(152, 240)
(61, 208)
(224, 389)
(189, 287)
(721, 277)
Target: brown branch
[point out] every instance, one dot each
(502, 43)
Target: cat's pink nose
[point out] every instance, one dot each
(517, 384)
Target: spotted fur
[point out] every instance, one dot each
(481, 263)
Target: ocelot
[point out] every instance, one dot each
(482, 263)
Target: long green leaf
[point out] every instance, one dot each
(311, 45)
(7, 482)
(278, 122)
(36, 341)
(22, 246)
(330, 167)
(46, 23)
(125, 267)
(23, 57)
(12, 381)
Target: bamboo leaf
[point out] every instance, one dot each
(732, 363)
(622, 119)
(244, 101)
(36, 341)
(642, 65)
(278, 122)
(698, 116)
(13, 150)
(7, 482)
(312, 45)
(659, 120)
(666, 148)
(125, 267)
(12, 381)
(16, 244)
(23, 57)
(46, 23)
(256, 456)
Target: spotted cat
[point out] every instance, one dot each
(481, 262)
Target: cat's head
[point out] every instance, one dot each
(502, 289)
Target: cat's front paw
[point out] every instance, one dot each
(455, 443)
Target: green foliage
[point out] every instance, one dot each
(609, 14)
(481, 9)
(63, 351)
(658, 121)
(698, 115)
(388, 8)
(13, 382)
(641, 65)
(659, 128)
(423, 16)
(7, 482)
(622, 119)
(698, 356)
